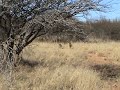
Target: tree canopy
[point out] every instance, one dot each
(17, 19)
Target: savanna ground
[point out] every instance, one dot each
(85, 66)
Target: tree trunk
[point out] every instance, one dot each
(8, 64)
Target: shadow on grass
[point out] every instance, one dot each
(28, 65)
(31, 63)
(107, 72)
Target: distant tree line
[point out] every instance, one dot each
(104, 29)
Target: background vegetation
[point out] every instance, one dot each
(104, 29)
(41, 48)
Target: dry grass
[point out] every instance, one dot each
(46, 66)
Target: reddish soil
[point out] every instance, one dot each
(100, 59)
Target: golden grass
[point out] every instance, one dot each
(62, 78)
(48, 67)
(50, 51)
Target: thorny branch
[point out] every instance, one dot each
(16, 14)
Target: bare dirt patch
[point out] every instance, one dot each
(98, 58)
(107, 68)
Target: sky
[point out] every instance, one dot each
(113, 12)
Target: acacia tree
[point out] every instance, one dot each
(17, 20)
(15, 15)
